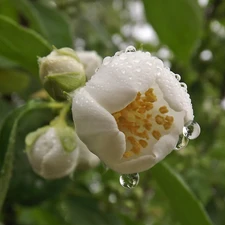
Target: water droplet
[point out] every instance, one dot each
(130, 49)
(138, 69)
(167, 68)
(183, 85)
(123, 71)
(191, 130)
(149, 64)
(118, 53)
(137, 60)
(182, 142)
(106, 60)
(129, 180)
(177, 76)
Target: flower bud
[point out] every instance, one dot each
(61, 71)
(91, 61)
(52, 151)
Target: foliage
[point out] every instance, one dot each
(189, 37)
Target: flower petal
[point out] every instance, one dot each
(97, 128)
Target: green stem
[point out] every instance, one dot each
(61, 118)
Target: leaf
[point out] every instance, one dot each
(49, 22)
(9, 132)
(7, 141)
(12, 81)
(7, 9)
(78, 207)
(185, 205)
(177, 23)
(21, 45)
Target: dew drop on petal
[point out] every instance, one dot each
(118, 53)
(182, 142)
(178, 77)
(191, 130)
(106, 60)
(183, 85)
(129, 180)
(130, 49)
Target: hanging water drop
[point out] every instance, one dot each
(191, 130)
(182, 142)
(130, 49)
(129, 180)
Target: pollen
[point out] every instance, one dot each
(159, 119)
(156, 134)
(163, 109)
(140, 122)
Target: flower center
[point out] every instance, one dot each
(143, 121)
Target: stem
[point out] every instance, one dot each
(61, 118)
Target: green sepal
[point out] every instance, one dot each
(66, 135)
(57, 84)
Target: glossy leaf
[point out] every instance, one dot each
(78, 207)
(185, 205)
(178, 24)
(21, 121)
(49, 22)
(12, 81)
(21, 45)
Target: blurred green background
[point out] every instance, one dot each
(189, 36)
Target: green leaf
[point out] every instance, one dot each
(20, 122)
(49, 22)
(7, 141)
(185, 205)
(7, 9)
(21, 45)
(78, 207)
(12, 81)
(177, 23)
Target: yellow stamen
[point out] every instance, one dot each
(156, 134)
(136, 121)
(163, 109)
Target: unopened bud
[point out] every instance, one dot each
(61, 72)
(91, 61)
(52, 151)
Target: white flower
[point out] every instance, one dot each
(91, 61)
(86, 158)
(132, 111)
(49, 156)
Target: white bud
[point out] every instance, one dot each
(50, 155)
(61, 71)
(91, 61)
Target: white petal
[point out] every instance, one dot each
(97, 128)
(86, 158)
(176, 95)
(118, 80)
